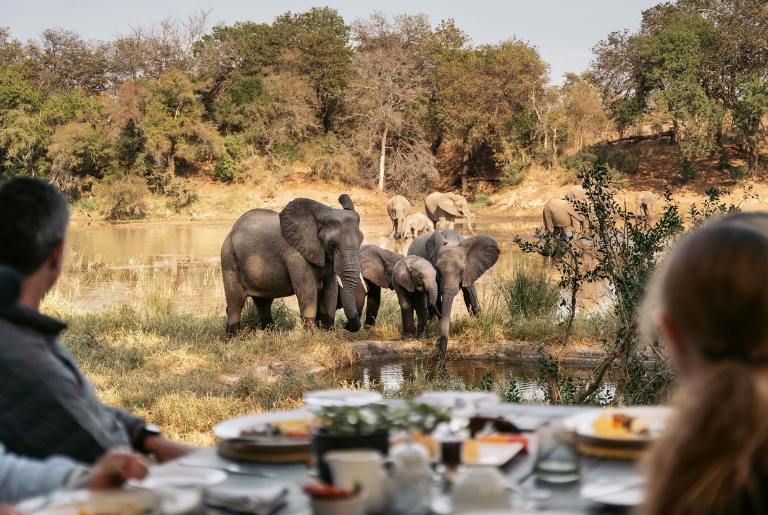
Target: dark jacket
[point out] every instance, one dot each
(47, 406)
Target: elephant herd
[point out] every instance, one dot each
(441, 210)
(315, 252)
(561, 215)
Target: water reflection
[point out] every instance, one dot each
(514, 382)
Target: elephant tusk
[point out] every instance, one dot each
(362, 281)
(338, 280)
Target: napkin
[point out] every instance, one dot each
(247, 499)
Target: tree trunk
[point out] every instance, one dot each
(383, 158)
(436, 143)
(465, 164)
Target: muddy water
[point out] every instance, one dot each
(394, 376)
(111, 264)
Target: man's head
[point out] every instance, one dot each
(33, 225)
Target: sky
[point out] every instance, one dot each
(564, 31)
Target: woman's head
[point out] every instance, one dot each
(710, 298)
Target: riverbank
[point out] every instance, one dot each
(178, 370)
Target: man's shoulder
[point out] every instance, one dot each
(16, 339)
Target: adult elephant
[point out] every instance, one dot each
(444, 208)
(376, 268)
(459, 263)
(559, 215)
(417, 224)
(397, 209)
(303, 250)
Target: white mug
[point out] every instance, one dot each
(360, 467)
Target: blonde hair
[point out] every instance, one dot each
(713, 288)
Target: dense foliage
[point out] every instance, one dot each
(383, 102)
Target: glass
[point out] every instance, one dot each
(450, 451)
(556, 461)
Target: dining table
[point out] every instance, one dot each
(562, 499)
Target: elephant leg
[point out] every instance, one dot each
(374, 301)
(306, 290)
(327, 299)
(408, 324)
(421, 315)
(441, 223)
(264, 307)
(470, 300)
(235, 295)
(451, 223)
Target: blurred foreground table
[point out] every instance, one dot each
(564, 499)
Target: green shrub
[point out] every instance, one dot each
(227, 166)
(530, 295)
(688, 171)
(122, 198)
(181, 193)
(738, 173)
(513, 172)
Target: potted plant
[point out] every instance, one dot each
(350, 427)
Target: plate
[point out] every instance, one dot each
(625, 493)
(176, 476)
(324, 398)
(489, 454)
(583, 425)
(466, 403)
(85, 502)
(232, 429)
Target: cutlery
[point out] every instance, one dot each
(233, 468)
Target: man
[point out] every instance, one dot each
(48, 407)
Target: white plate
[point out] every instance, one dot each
(323, 398)
(583, 423)
(176, 476)
(233, 428)
(624, 493)
(495, 454)
(459, 401)
(75, 502)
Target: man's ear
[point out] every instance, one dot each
(56, 261)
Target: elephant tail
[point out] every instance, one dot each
(547, 216)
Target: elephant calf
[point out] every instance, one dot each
(644, 206)
(559, 215)
(417, 224)
(415, 282)
(376, 267)
(444, 208)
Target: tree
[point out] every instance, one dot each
(63, 60)
(388, 88)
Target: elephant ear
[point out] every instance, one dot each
(448, 205)
(299, 227)
(482, 254)
(374, 268)
(402, 276)
(346, 202)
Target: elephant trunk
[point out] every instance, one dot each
(432, 296)
(468, 217)
(400, 226)
(449, 292)
(347, 268)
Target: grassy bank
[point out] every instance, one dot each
(178, 370)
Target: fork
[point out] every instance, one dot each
(233, 468)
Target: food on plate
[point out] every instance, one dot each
(503, 438)
(286, 428)
(621, 425)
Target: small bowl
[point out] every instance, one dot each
(350, 506)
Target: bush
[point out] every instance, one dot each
(738, 173)
(122, 198)
(688, 171)
(330, 160)
(513, 172)
(530, 295)
(181, 193)
(227, 166)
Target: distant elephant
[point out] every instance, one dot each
(559, 215)
(644, 206)
(415, 282)
(459, 263)
(303, 250)
(376, 267)
(417, 224)
(575, 194)
(444, 208)
(397, 209)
